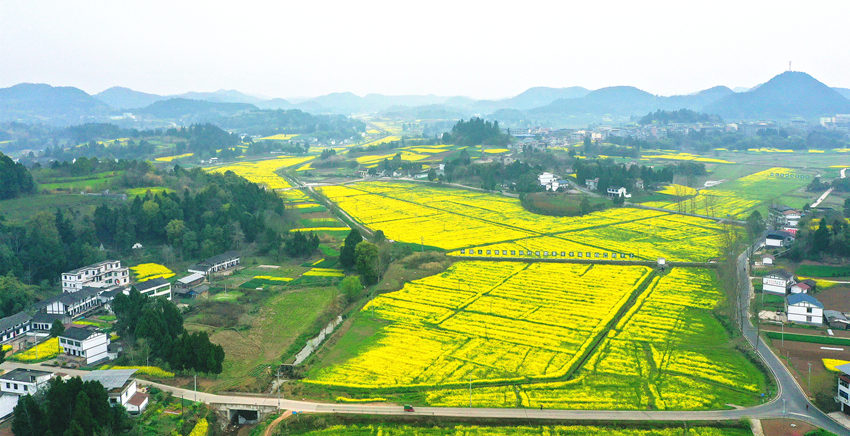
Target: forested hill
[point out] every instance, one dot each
(476, 131)
(14, 179)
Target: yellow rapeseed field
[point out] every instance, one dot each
(171, 158)
(45, 350)
(147, 271)
(667, 346)
(460, 220)
(263, 172)
(489, 321)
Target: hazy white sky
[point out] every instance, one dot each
(480, 49)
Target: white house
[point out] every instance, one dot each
(778, 282)
(42, 321)
(546, 179)
(14, 325)
(221, 262)
(75, 303)
(87, 342)
(21, 381)
(157, 287)
(120, 388)
(843, 396)
(805, 309)
(803, 287)
(767, 259)
(592, 184)
(618, 192)
(777, 239)
(104, 274)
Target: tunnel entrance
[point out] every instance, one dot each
(244, 416)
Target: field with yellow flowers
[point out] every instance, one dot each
(147, 271)
(475, 223)
(399, 429)
(263, 172)
(556, 335)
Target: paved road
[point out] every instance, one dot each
(773, 409)
(791, 398)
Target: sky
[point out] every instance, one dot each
(480, 49)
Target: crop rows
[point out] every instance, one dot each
(488, 321)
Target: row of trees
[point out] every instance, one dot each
(612, 174)
(830, 239)
(72, 408)
(157, 325)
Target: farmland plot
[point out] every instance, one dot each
(489, 322)
(667, 347)
(460, 221)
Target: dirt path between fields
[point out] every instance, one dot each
(277, 421)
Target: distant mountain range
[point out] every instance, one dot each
(788, 95)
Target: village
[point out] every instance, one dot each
(80, 320)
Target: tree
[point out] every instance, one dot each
(366, 261)
(847, 208)
(28, 418)
(820, 240)
(755, 225)
(432, 174)
(346, 254)
(57, 328)
(351, 288)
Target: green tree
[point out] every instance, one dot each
(367, 262)
(820, 240)
(847, 208)
(755, 225)
(432, 174)
(57, 328)
(346, 253)
(351, 288)
(28, 418)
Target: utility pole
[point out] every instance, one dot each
(809, 380)
(196, 388)
(783, 334)
(784, 411)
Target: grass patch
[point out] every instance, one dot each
(141, 192)
(226, 296)
(266, 332)
(828, 340)
(23, 208)
(563, 204)
(823, 270)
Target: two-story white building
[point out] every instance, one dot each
(804, 309)
(778, 282)
(87, 342)
(618, 192)
(100, 275)
(21, 381)
(843, 395)
(157, 287)
(120, 388)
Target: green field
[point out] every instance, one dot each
(259, 337)
(22, 208)
(830, 340)
(823, 270)
(93, 182)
